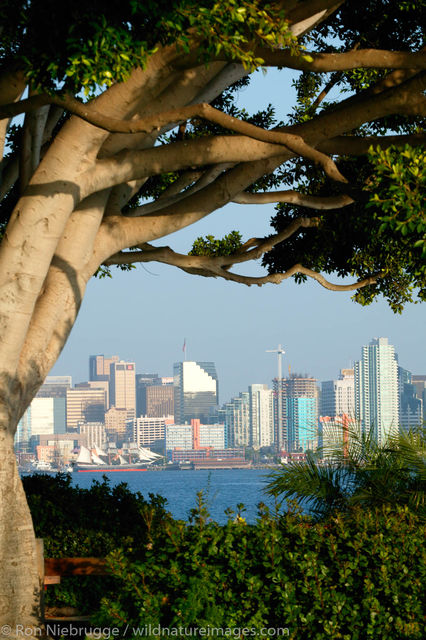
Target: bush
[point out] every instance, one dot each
(75, 522)
(352, 576)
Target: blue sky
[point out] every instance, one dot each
(146, 314)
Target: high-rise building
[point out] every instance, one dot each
(144, 380)
(55, 387)
(123, 387)
(159, 400)
(338, 396)
(99, 384)
(85, 404)
(376, 390)
(410, 408)
(419, 381)
(196, 390)
(299, 403)
(99, 367)
(116, 425)
(261, 416)
(46, 416)
(150, 432)
(237, 420)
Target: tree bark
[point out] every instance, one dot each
(19, 577)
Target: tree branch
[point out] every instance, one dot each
(205, 178)
(361, 58)
(211, 267)
(294, 197)
(354, 145)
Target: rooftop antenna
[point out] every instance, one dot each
(280, 351)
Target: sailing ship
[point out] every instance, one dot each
(98, 460)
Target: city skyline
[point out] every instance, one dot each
(271, 364)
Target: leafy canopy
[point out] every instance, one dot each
(93, 44)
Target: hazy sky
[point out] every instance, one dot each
(146, 314)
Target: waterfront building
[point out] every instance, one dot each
(376, 390)
(219, 455)
(195, 436)
(95, 434)
(149, 432)
(123, 387)
(62, 445)
(261, 416)
(196, 390)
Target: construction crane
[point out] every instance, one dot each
(280, 351)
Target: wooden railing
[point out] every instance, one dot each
(55, 568)
(51, 570)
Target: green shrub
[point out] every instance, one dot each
(75, 522)
(352, 576)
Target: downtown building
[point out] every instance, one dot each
(376, 390)
(84, 403)
(196, 391)
(123, 387)
(299, 413)
(99, 367)
(261, 414)
(149, 432)
(410, 406)
(236, 416)
(338, 396)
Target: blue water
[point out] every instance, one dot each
(222, 489)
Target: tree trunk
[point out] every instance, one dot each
(19, 576)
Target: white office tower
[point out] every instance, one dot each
(376, 390)
(196, 391)
(261, 416)
(338, 396)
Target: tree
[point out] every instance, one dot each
(134, 101)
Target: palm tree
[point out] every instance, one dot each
(358, 472)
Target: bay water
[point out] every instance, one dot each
(222, 489)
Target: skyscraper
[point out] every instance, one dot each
(338, 396)
(123, 387)
(261, 416)
(376, 389)
(84, 404)
(299, 412)
(237, 420)
(99, 367)
(196, 390)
